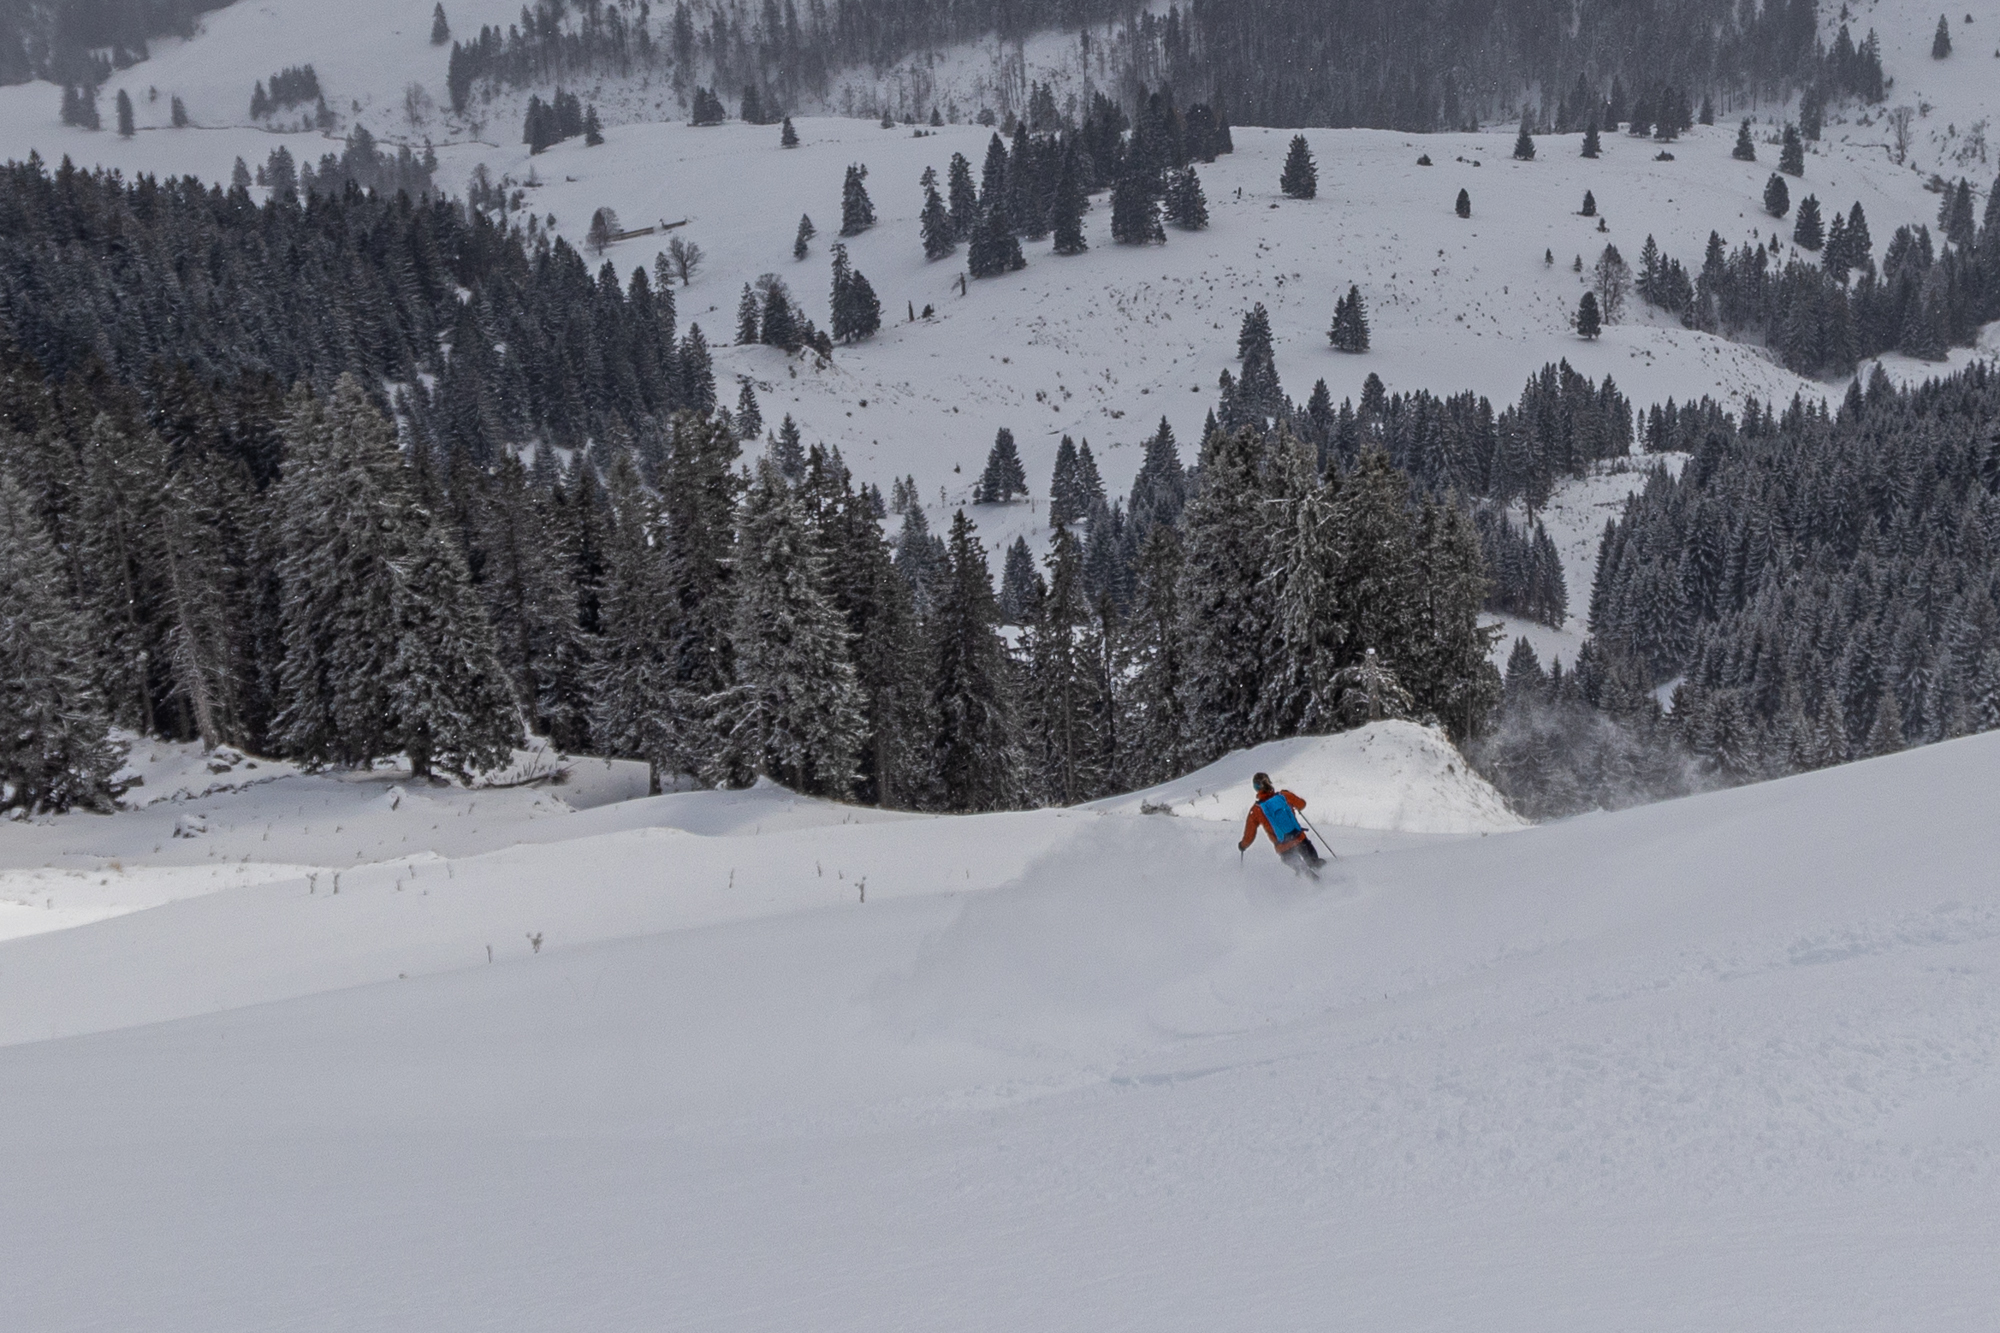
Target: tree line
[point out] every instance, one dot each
(1817, 586)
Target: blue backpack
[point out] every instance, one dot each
(1279, 811)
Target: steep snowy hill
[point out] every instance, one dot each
(1724, 1062)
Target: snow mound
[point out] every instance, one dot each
(1394, 776)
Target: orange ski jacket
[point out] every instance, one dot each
(1259, 820)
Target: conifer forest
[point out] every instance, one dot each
(333, 463)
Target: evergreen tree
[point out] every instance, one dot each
(54, 750)
(936, 221)
(962, 198)
(1004, 477)
(1135, 212)
(593, 128)
(1350, 323)
(1807, 233)
(126, 129)
(532, 603)
(1060, 723)
(1588, 322)
(1159, 492)
(1227, 619)
(1067, 206)
(1187, 206)
(1524, 143)
(1591, 146)
(857, 212)
(787, 450)
(1941, 44)
(440, 30)
(1777, 199)
(1792, 155)
(708, 109)
(749, 417)
(787, 136)
(857, 312)
(747, 307)
(698, 488)
(1745, 150)
(1589, 208)
(974, 759)
(633, 677)
(1886, 735)
(1302, 533)
(1300, 178)
(1464, 205)
(1067, 501)
(1021, 592)
(794, 710)
(994, 249)
(993, 174)
(1154, 732)
(802, 242)
(384, 648)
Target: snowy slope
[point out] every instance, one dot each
(1396, 776)
(1723, 1062)
(1104, 345)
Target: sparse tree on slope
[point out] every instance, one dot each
(1135, 212)
(1187, 206)
(1300, 178)
(1792, 155)
(1350, 323)
(1004, 478)
(1524, 143)
(1588, 324)
(857, 211)
(935, 222)
(1066, 208)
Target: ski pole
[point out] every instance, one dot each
(1330, 853)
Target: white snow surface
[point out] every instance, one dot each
(1730, 1061)
(1395, 776)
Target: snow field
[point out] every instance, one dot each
(1722, 1062)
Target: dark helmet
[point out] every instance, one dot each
(1262, 782)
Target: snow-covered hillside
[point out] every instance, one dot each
(1106, 344)
(1724, 1062)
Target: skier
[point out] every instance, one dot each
(1272, 810)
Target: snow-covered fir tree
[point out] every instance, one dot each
(793, 710)
(54, 751)
(1003, 478)
(974, 752)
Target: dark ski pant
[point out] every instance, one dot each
(1302, 853)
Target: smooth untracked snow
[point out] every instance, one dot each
(1731, 1062)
